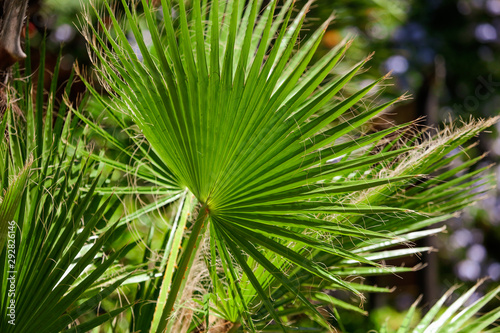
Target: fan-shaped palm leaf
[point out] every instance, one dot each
(235, 117)
(54, 260)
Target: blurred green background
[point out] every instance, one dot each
(445, 53)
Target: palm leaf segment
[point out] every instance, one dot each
(232, 119)
(457, 317)
(52, 236)
(235, 116)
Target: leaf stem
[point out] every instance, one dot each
(183, 267)
(234, 328)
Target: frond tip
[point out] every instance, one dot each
(456, 317)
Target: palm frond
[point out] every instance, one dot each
(236, 117)
(57, 233)
(456, 317)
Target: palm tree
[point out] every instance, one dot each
(286, 186)
(280, 192)
(56, 241)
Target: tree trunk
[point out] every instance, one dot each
(11, 25)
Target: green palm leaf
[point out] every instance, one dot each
(451, 319)
(57, 233)
(237, 117)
